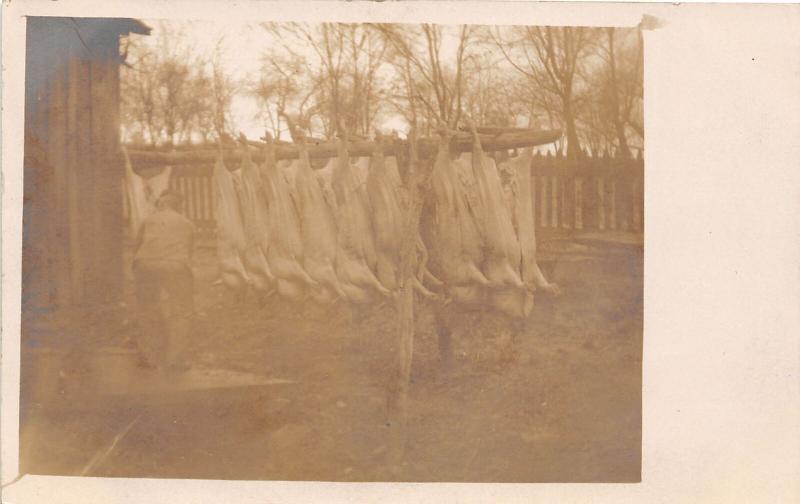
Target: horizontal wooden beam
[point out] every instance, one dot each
(461, 142)
(497, 130)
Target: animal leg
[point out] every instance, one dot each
(419, 288)
(427, 275)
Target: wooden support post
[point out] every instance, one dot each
(535, 201)
(578, 186)
(639, 202)
(570, 216)
(635, 216)
(555, 203)
(609, 203)
(593, 195)
(543, 188)
(560, 209)
(601, 203)
(624, 204)
(398, 392)
(612, 200)
(558, 193)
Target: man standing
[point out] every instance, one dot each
(162, 262)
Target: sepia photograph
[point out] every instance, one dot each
(347, 252)
(403, 251)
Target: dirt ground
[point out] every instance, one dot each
(558, 402)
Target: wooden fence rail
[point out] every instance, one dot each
(591, 194)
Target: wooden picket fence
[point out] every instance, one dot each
(593, 194)
(195, 184)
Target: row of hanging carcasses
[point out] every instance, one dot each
(335, 233)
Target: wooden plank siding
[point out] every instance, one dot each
(72, 220)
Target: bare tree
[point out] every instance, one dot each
(585, 81)
(438, 87)
(172, 94)
(174, 76)
(160, 88)
(551, 58)
(341, 72)
(366, 55)
(632, 81)
(138, 88)
(492, 95)
(594, 129)
(278, 84)
(620, 85)
(221, 93)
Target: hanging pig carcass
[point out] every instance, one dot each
(318, 229)
(450, 230)
(336, 232)
(255, 214)
(384, 190)
(231, 238)
(520, 203)
(481, 235)
(285, 250)
(503, 258)
(355, 240)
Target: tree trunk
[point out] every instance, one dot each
(619, 126)
(573, 144)
(622, 150)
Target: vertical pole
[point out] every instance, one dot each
(613, 196)
(578, 203)
(640, 202)
(638, 192)
(543, 187)
(569, 199)
(534, 201)
(624, 203)
(589, 201)
(636, 218)
(601, 202)
(555, 203)
(568, 214)
(398, 393)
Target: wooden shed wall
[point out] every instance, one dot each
(72, 216)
